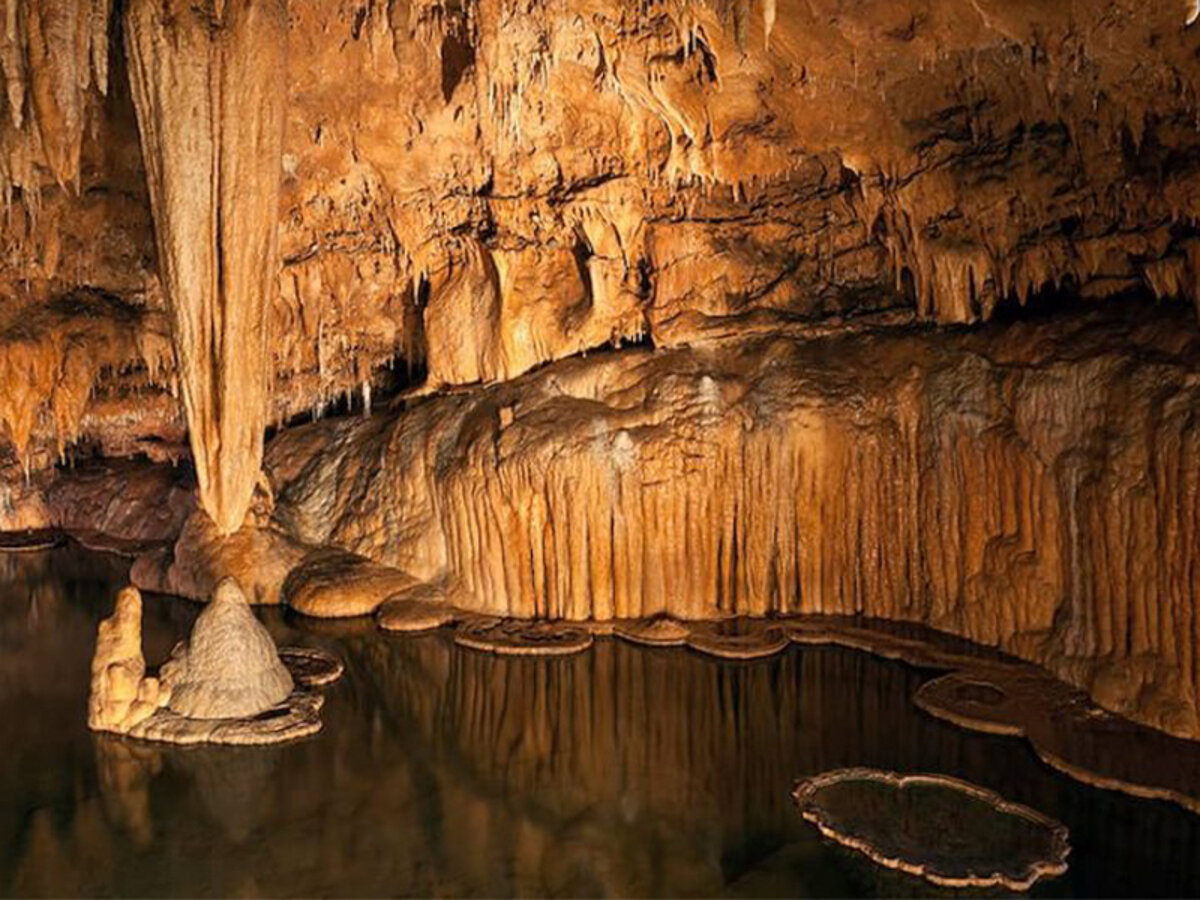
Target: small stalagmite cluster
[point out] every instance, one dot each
(677, 308)
(226, 684)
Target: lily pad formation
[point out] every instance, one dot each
(947, 831)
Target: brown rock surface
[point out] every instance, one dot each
(218, 216)
(1025, 487)
(486, 188)
(333, 584)
(408, 613)
(229, 667)
(657, 632)
(209, 92)
(945, 830)
(517, 638)
(122, 696)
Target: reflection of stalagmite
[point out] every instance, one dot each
(208, 86)
(125, 772)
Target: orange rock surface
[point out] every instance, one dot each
(1028, 486)
(220, 216)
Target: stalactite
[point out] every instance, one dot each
(208, 85)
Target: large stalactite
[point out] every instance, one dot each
(208, 86)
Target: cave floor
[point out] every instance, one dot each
(442, 771)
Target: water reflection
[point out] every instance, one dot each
(622, 771)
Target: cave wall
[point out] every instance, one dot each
(1030, 486)
(470, 189)
(460, 192)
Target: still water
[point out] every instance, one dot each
(445, 772)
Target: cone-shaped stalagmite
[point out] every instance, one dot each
(208, 85)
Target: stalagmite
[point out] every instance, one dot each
(208, 84)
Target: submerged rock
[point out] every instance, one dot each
(229, 668)
(660, 631)
(310, 667)
(738, 638)
(948, 831)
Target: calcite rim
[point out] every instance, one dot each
(661, 631)
(1033, 696)
(31, 540)
(516, 638)
(311, 667)
(1050, 866)
(766, 637)
(298, 716)
(407, 616)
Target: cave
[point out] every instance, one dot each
(619, 412)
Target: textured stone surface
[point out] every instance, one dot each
(221, 216)
(229, 667)
(657, 632)
(310, 667)
(336, 584)
(738, 638)
(481, 188)
(122, 697)
(517, 638)
(1028, 486)
(209, 92)
(409, 614)
(946, 830)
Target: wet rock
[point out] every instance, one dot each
(333, 585)
(122, 697)
(516, 638)
(738, 638)
(229, 667)
(310, 667)
(947, 831)
(660, 631)
(998, 484)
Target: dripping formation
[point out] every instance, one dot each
(689, 307)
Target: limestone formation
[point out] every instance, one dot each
(945, 830)
(338, 584)
(208, 84)
(227, 684)
(29, 541)
(1028, 487)
(660, 631)
(420, 218)
(122, 696)
(229, 667)
(310, 667)
(414, 615)
(516, 638)
(738, 638)
(479, 189)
